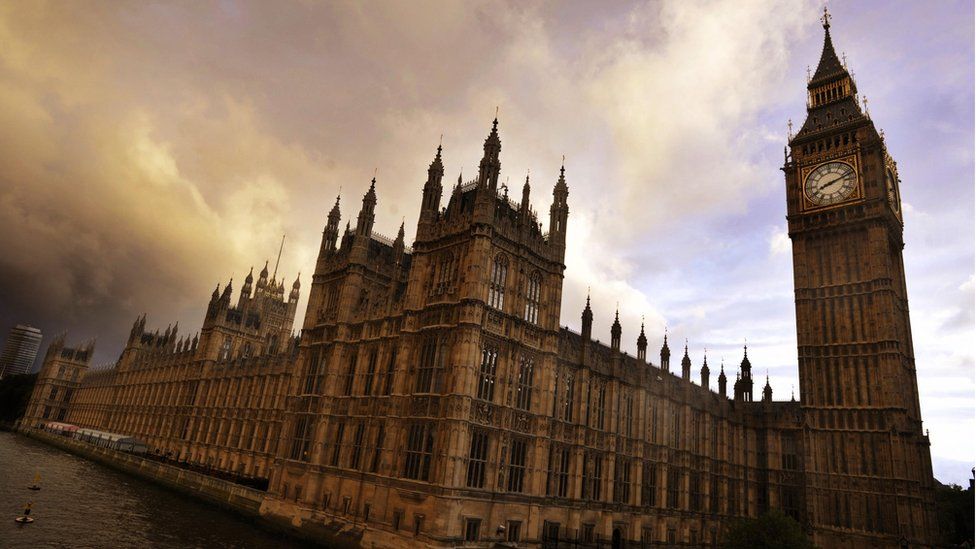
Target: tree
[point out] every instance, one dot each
(956, 514)
(773, 530)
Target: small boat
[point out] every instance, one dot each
(36, 485)
(24, 520)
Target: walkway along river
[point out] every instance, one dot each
(83, 504)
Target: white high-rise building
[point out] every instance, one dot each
(20, 350)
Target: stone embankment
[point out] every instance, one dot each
(224, 493)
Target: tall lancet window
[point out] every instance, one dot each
(532, 298)
(496, 288)
(225, 349)
(486, 379)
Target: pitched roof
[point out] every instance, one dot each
(830, 66)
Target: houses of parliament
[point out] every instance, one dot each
(433, 399)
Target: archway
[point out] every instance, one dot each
(617, 540)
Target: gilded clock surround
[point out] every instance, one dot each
(805, 171)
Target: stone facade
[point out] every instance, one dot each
(214, 399)
(61, 373)
(434, 399)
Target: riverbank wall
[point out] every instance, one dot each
(226, 494)
(285, 519)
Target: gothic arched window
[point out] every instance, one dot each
(532, 291)
(486, 378)
(444, 275)
(523, 397)
(496, 287)
(225, 349)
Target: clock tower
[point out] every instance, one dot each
(869, 474)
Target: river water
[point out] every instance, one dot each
(83, 504)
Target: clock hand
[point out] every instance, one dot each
(829, 183)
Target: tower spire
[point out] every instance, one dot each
(587, 319)
(490, 165)
(642, 343)
(686, 364)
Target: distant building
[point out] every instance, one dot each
(20, 350)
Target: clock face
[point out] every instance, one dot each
(830, 183)
(890, 184)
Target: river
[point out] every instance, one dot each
(83, 504)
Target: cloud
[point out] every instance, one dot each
(779, 242)
(150, 151)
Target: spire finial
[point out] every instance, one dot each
(825, 18)
(843, 58)
(277, 261)
(809, 76)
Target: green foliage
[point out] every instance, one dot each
(774, 530)
(15, 391)
(956, 512)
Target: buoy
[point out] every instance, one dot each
(35, 485)
(25, 518)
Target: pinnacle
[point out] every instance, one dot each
(830, 65)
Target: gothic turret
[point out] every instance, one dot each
(743, 382)
(686, 365)
(559, 213)
(642, 345)
(263, 277)
(398, 246)
(367, 215)
(490, 164)
(587, 324)
(432, 189)
(704, 373)
(225, 296)
(746, 366)
(524, 205)
(615, 332)
(722, 382)
(331, 232)
(246, 288)
(293, 296)
(665, 355)
(767, 391)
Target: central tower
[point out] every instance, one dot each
(867, 460)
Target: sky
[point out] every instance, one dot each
(149, 151)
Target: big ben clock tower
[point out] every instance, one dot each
(869, 474)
